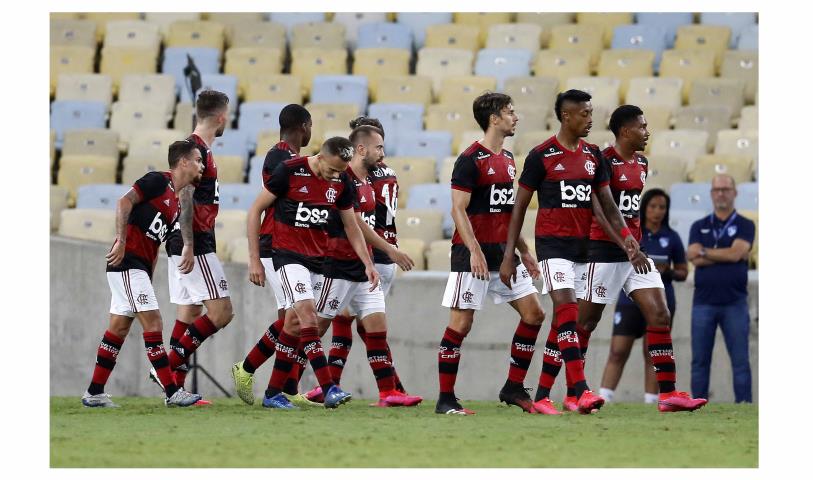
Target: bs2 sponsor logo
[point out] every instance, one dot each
(316, 216)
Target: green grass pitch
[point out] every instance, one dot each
(145, 433)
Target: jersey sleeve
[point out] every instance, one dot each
(533, 173)
(273, 158)
(279, 182)
(603, 169)
(150, 186)
(678, 253)
(747, 231)
(694, 233)
(464, 174)
(347, 199)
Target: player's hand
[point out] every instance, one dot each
(479, 266)
(508, 271)
(373, 277)
(401, 259)
(116, 254)
(530, 264)
(187, 259)
(640, 263)
(256, 272)
(631, 246)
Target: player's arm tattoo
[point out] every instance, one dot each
(123, 209)
(187, 214)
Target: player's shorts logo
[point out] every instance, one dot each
(468, 296)
(300, 287)
(333, 304)
(559, 277)
(317, 286)
(525, 274)
(601, 291)
(223, 284)
(330, 195)
(590, 167)
(142, 299)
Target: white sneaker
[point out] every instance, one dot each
(98, 400)
(182, 398)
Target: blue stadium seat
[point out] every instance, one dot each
(207, 60)
(681, 221)
(71, 115)
(668, 21)
(237, 196)
(340, 89)
(434, 196)
(385, 35)
(397, 118)
(435, 144)
(737, 22)
(291, 19)
(418, 21)
(232, 142)
(256, 117)
(691, 196)
(216, 81)
(100, 195)
(255, 170)
(503, 63)
(749, 38)
(747, 196)
(645, 37)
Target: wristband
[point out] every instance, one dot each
(624, 232)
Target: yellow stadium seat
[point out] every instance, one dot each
(184, 112)
(655, 92)
(256, 34)
(102, 19)
(228, 19)
(70, 59)
(85, 87)
(69, 32)
(307, 62)
(196, 33)
(464, 89)
(525, 36)
(267, 139)
(229, 225)
(414, 247)
(580, 38)
(602, 138)
(664, 170)
(59, 202)
(411, 171)
(437, 63)
(230, 168)
(133, 33)
(707, 166)
(329, 116)
(562, 64)
(452, 35)
(526, 141)
(625, 64)
(164, 19)
(532, 118)
(711, 38)
(126, 118)
(738, 142)
(120, 61)
(710, 119)
(749, 118)
(375, 63)
(424, 224)
(607, 22)
(64, 16)
(687, 144)
(78, 170)
(536, 91)
(52, 146)
(743, 65)
(405, 89)
(322, 35)
(604, 90)
(136, 167)
(238, 250)
(280, 88)
(353, 21)
(454, 118)
(446, 168)
(529, 226)
(153, 143)
(724, 92)
(657, 117)
(249, 63)
(92, 142)
(483, 21)
(438, 256)
(88, 224)
(688, 65)
(155, 89)
(547, 21)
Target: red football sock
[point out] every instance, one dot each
(316, 357)
(522, 351)
(449, 359)
(659, 343)
(568, 341)
(284, 362)
(340, 346)
(196, 333)
(377, 358)
(157, 355)
(264, 348)
(551, 364)
(105, 361)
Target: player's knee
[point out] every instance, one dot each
(534, 317)
(590, 324)
(660, 318)
(617, 356)
(463, 328)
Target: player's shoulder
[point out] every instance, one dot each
(594, 149)
(641, 159)
(382, 172)
(155, 178)
(549, 146)
(472, 151)
(279, 151)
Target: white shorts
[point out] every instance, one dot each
(298, 283)
(338, 294)
(559, 273)
(132, 292)
(387, 273)
(605, 280)
(465, 292)
(206, 281)
(273, 280)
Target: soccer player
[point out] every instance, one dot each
(345, 284)
(144, 216)
(305, 190)
(482, 200)
(295, 132)
(564, 170)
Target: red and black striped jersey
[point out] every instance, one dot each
(276, 155)
(563, 181)
(207, 202)
(489, 177)
(303, 205)
(341, 260)
(627, 180)
(150, 221)
(385, 185)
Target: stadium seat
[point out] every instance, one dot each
(222, 83)
(524, 36)
(749, 118)
(66, 32)
(133, 34)
(747, 196)
(292, 19)
(278, 88)
(350, 89)
(604, 90)
(738, 142)
(681, 220)
(602, 138)
(100, 195)
(419, 21)
(664, 170)
(737, 22)
(607, 21)
(438, 255)
(126, 118)
(503, 64)
(724, 92)
(134, 167)
(322, 35)
(250, 64)
(70, 59)
(687, 65)
(228, 19)
(625, 65)
(414, 247)
(85, 87)
(452, 35)
(229, 225)
(120, 61)
(232, 142)
(155, 89)
(238, 250)
(52, 145)
(256, 35)
(353, 21)
(445, 170)
(532, 118)
(207, 60)
(231, 168)
(88, 224)
(405, 88)
(711, 119)
(483, 21)
(256, 117)
(464, 89)
(580, 38)
(526, 141)
(385, 35)
(435, 144)
(453, 118)
(670, 22)
(561, 64)
(196, 33)
(411, 171)
(749, 38)
(255, 167)
(688, 144)
(153, 143)
(433, 196)
(546, 21)
(438, 63)
(376, 63)
(743, 65)
(535, 91)
(710, 38)
(69, 115)
(59, 202)
(78, 170)
(641, 37)
(103, 19)
(164, 19)
(184, 113)
(658, 118)
(655, 92)
(93, 141)
(707, 166)
(267, 139)
(398, 117)
(237, 196)
(308, 62)
(421, 224)
(691, 196)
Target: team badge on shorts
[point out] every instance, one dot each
(559, 277)
(300, 287)
(468, 296)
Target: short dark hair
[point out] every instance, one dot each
(292, 117)
(178, 150)
(362, 132)
(622, 116)
(575, 96)
(210, 103)
(488, 104)
(339, 146)
(362, 121)
(647, 197)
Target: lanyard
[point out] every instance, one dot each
(719, 233)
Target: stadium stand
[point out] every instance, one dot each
(308, 62)
(738, 142)
(404, 88)
(377, 63)
(561, 64)
(736, 22)
(747, 196)
(85, 87)
(414, 247)
(688, 65)
(384, 35)
(100, 195)
(419, 22)
(452, 35)
(232, 142)
(664, 170)
(128, 117)
(349, 89)
(69, 115)
(438, 255)
(88, 224)
(503, 64)
(625, 65)
(354, 21)
(237, 196)
(608, 22)
(749, 38)
(58, 203)
(423, 224)
(277, 88)
(709, 118)
(707, 166)
(229, 225)
(669, 22)
(691, 196)
(207, 60)
(258, 34)
(252, 63)
(580, 38)
(164, 19)
(547, 21)
(318, 35)
(749, 118)
(153, 143)
(437, 63)
(411, 171)
(78, 170)
(743, 65)
(70, 59)
(524, 36)
(216, 81)
(71, 32)
(686, 144)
